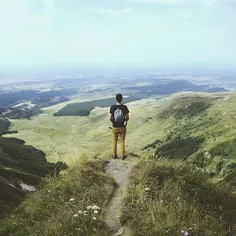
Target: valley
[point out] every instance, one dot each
(188, 132)
(209, 118)
(117, 118)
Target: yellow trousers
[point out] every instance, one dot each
(118, 132)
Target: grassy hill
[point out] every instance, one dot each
(69, 138)
(185, 176)
(203, 133)
(197, 127)
(12, 193)
(21, 167)
(60, 207)
(165, 198)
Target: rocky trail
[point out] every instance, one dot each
(120, 171)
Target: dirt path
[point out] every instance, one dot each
(120, 171)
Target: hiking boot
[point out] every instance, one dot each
(114, 156)
(124, 157)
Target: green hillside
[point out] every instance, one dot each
(21, 166)
(166, 197)
(12, 193)
(59, 207)
(203, 133)
(184, 178)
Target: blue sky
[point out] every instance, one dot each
(163, 33)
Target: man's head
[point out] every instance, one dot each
(119, 98)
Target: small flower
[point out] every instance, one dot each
(190, 228)
(94, 218)
(186, 233)
(80, 212)
(89, 207)
(94, 207)
(182, 231)
(147, 189)
(49, 191)
(76, 215)
(71, 200)
(95, 212)
(94, 229)
(85, 212)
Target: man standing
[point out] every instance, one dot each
(119, 115)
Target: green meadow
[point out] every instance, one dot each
(184, 179)
(69, 138)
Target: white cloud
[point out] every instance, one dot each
(49, 2)
(40, 33)
(47, 21)
(15, 17)
(169, 2)
(81, 22)
(179, 2)
(105, 11)
(181, 14)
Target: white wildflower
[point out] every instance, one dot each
(89, 207)
(182, 231)
(71, 200)
(147, 189)
(95, 212)
(94, 218)
(94, 207)
(85, 212)
(80, 212)
(49, 191)
(76, 215)
(186, 233)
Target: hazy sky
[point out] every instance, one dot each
(124, 32)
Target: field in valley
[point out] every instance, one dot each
(71, 137)
(68, 138)
(184, 178)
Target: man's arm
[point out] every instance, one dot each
(127, 114)
(127, 117)
(111, 117)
